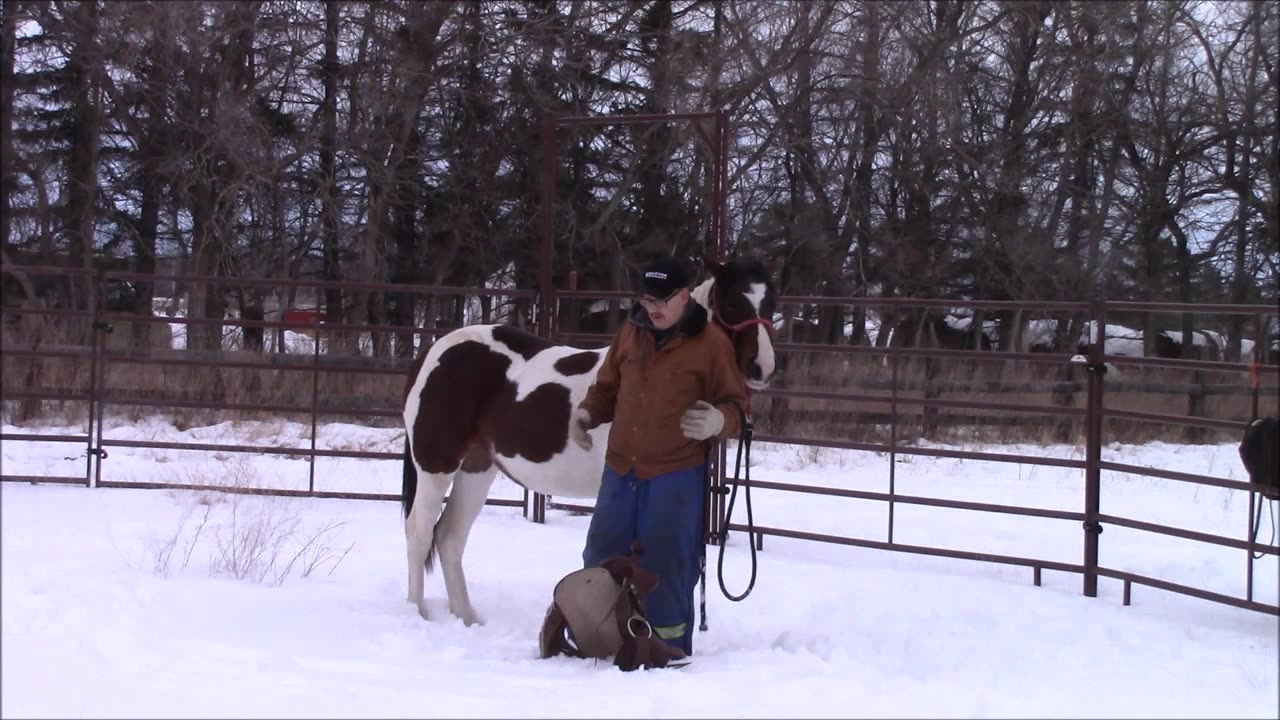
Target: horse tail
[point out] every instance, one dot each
(410, 485)
(409, 489)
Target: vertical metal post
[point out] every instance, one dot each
(720, 498)
(548, 187)
(1093, 447)
(573, 307)
(709, 496)
(1249, 550)
(713, 151)
(893, 436)
(315, 397)
(1255, 380)
(720, 190)
(97, 373)
(1255, 376)
(717, 492)
(545, 319)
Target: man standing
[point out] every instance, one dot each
(668, 384)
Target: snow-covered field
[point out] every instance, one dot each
(126, 602)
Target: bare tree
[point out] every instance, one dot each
(83, 84)
(1244, 78)
(986, 149)
(8, 170)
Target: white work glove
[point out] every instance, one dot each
(578, 423)
(701, 421)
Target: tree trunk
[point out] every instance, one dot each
(660, 220)
(8, 162)
(328, 176)
(863, 191)
(404, 231)
(82, 158)
(144, 252)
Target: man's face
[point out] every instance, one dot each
(665, 312)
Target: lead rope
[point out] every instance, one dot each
(1257, 522)
(1255, 378)
(741, 477)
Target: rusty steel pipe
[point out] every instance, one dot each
(1093, 449)
(1173, 587)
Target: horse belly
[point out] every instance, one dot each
(572, 473)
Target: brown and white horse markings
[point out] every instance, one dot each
(490, 397)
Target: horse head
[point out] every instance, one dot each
(740, 296)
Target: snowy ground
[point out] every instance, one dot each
(100, 620)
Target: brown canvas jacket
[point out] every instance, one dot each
(643, 389)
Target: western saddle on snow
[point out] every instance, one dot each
(598, 612)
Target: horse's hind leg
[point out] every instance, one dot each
(466, 501)
(419, 529)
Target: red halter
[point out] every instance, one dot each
(735, 328)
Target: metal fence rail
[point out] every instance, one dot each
(98, 388)
(31, 321)
(101, 394)
(1094, 414)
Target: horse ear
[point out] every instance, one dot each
(711, 264)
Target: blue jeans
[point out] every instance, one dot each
(665, 515)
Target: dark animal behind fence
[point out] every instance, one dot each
(1260, 454)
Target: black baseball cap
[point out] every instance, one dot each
(664, 277)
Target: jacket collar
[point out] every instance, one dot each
(691, 325)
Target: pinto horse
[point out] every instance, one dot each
(486, 398)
